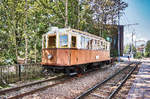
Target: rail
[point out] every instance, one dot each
(123, 81)
(90, 90)
(54, 81)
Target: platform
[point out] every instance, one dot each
(141, 86)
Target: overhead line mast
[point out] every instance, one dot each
(131, 53)
(119, 30)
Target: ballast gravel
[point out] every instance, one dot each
(77, 85)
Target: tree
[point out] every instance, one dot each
(10, 16)
(147, 49)
(106, 12)
(127, 48)
(24, 21)
(138, 55)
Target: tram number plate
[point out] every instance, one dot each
(97, 57)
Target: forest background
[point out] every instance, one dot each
(22, 23)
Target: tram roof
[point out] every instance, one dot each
(65, 30)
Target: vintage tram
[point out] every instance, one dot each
(69, 50)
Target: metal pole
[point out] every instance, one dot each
(132, 46)
(19, 72)
(119, 31)
(66, 13)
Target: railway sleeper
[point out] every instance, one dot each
(99, 96)
(106, 91)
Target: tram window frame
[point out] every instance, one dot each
(53, 44)
(66, 45)
(86, 43)
(91, 44)
(98, 44)
(102, 45)
(82, 42)
(44, 41)
(73, 43)
(108, 45)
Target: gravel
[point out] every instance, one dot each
(76, 86)
(26, 89)
(123, 92)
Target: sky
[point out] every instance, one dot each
(138, 11)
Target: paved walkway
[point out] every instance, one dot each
(141, 86)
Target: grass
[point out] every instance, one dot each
(4, 86)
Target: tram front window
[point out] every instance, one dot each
(63, 41)
(52, 41)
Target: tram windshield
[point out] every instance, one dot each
(63, 41)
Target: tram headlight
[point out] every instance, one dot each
(49, 56)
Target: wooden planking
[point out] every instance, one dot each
(74, 57)
(88, 56)
(68, 57)
(63, 56)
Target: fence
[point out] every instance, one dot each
(19, 72)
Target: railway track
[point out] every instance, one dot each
(30, 88)
(33, 87)
(110, 86)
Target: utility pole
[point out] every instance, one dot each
(119, 30)
(131, 53)
(132, 46)
(66, 14)
(78, 14)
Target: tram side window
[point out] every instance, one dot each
(86, 43)
(63, 41)
(103, 45)
(52, 41)
(82, 42)
(96, 44)
(108, 46)
(91, 44)
(73, 41)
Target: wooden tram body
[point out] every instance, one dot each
(69, 48)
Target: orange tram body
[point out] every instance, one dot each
(71, 50)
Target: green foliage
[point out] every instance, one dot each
(113, 53)
(19, 21)
(138, 55)
(126, 49)
(147, 49)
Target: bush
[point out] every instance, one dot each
(138, 55)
